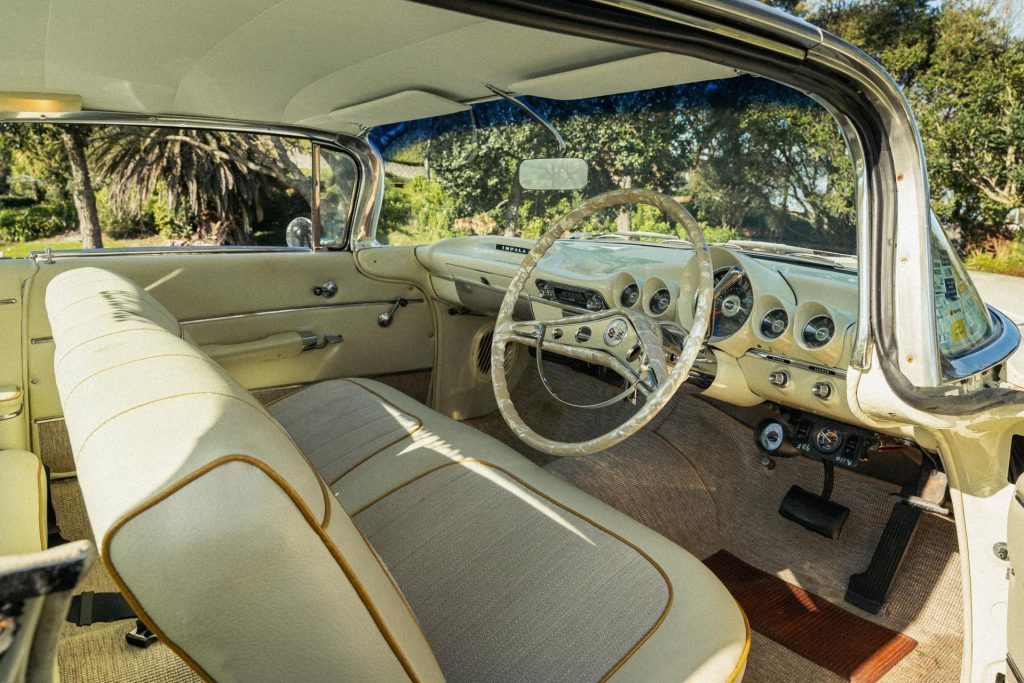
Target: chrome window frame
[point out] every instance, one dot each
(367, 196)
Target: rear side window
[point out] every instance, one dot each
(79, 186)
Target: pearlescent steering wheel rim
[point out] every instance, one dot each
(504, 329)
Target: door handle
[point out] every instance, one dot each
(327, 289)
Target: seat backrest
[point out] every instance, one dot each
(207, 515)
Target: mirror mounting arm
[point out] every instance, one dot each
(534, 114)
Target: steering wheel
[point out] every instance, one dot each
(652, 359)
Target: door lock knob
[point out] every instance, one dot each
(327, 289)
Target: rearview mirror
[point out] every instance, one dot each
(553, 174)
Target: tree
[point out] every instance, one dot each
(971, 110)
(219, 179)
(75, 141)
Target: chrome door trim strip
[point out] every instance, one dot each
(11, 416)
(296, 309)
(51, 255)
(795, 363)
(46, 420)
(8, 301)
(41, 340)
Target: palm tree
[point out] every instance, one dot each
(75, 140)
(218, 178)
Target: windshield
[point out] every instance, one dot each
(761, 166)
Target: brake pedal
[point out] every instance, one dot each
(817, 513)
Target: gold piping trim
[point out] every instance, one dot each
(108, 368)
(742, 663)
(664, 575)
(324, 490)
(307, 514)
(43, 493)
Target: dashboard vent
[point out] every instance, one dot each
(483, 355)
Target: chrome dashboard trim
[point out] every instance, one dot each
(795, 363)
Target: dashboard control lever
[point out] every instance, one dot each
(327, 289)
(779, 378)
(385, 318)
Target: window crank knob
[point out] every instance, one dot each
(327, 289)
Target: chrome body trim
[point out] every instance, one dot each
(295, 309)
(51, 255)
(16, 413)
(41, 340)
(823, 370)
(998, 348)
(788, 49)
(8, 301)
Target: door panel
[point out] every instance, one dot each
(236, 298)
(1015, 611)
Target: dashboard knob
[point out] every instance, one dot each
(822, 390)
(779, 378)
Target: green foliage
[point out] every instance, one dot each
(23, 224)
(415, 212)
(998, 256)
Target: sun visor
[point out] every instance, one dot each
(655, 70)
(39, 102)
(407, 105)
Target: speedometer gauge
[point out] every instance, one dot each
(732, 306)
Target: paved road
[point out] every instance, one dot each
(1005, 292)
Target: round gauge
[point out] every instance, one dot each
(818, 331)
(774, 323)
(732, 306)
(771, 436)
(660, 301)
(630, 295)
(828, 440)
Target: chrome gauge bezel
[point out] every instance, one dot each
(768, 323)
(664, 295)
(630, 295)
(810, 334)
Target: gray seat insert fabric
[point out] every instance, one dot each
(338, 424)
(509, 585)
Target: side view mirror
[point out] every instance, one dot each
(553, 174)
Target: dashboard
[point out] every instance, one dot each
(782, 331)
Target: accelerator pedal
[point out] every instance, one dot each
(815, 512)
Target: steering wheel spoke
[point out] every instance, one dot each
(653, 357)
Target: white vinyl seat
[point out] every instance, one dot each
(349, 532)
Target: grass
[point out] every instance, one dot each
(1002, 256)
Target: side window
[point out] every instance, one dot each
(81, 186)
(337, 191)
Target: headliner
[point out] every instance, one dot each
(297, 61)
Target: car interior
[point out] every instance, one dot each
(545, 449)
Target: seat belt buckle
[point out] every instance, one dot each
(140, 636)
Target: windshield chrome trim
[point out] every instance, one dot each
(697, 22)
